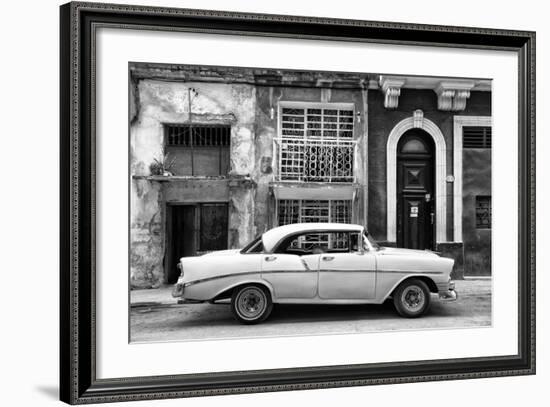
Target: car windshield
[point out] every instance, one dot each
(255, 246)
(372, 242)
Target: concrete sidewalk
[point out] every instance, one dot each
(163, 294)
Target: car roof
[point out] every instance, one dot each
(274, 236)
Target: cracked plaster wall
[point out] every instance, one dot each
(155, 102)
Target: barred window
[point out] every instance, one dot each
(476, 137)
(316, 144)
(198, 149)
(317, 123)
(197, 135)
(310, 211)
(483, 212)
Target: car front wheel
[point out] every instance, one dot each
(251, 304)
(412, 298)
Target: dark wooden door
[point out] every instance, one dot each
(182, 238)
(193, 230)
(213, 227)
(415, 191)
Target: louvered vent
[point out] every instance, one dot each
(476, 137)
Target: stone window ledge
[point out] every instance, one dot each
(176, 178)
(232, 180)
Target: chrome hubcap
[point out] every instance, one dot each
(413, 298)
(251, 303)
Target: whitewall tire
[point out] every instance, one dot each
(251, 304)
(412, 298)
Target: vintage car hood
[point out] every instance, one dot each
(406, 252)
(222, 253)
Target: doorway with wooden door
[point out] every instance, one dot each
(415, 190)
(193, 229)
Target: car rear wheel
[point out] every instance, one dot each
(251, 304)
(412, 298)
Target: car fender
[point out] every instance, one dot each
(256, 280)
(406, 277)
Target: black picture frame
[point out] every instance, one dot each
(78, 382)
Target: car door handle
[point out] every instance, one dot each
(270, 258)
(328, 258)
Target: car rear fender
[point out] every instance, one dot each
(226, 292)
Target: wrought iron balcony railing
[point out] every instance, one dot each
(315, 160)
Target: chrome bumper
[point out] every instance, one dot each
(177, 291)
(448, 295)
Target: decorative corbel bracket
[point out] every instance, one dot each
(452, 96)
(391, 86)
(418, 119)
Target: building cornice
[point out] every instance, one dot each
(452, 93)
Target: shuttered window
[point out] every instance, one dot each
(476, 137)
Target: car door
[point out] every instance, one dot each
(291, 275)
(347, 275)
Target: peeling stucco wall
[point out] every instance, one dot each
(266, 131)
(154, 103)
(146, 235)
(241, 214)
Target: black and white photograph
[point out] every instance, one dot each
(272, 202)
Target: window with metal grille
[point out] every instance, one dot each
(310, 211)
(198, 149)
(316, 144)
(483, 212)
(317, 123)
(304, 210)
(476, 137)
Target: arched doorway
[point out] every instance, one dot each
(415, 190)
(417, 121)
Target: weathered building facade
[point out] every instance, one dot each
(219, 155)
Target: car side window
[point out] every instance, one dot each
(321, 242)
(257, 248)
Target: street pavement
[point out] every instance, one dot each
(156, 316)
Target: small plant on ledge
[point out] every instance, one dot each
(162, 166)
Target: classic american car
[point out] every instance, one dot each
(315, 263)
